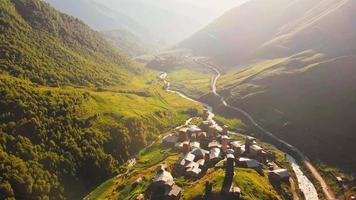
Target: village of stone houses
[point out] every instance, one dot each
(189, 154)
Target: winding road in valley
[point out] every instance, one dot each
(305, 184)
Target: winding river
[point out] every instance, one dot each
(305, 185)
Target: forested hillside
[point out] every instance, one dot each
(128, 42)
(70, 105)
(291, 65)
(42, 45)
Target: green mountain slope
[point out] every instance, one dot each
(306, 102)
(47, 47)
(291, 65)
(72, 109)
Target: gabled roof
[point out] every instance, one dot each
(199, 152)
(170, 138)
(230, 151)
(188, 157)
(194, 170)
(256, 148)
(180, 144)
(175, 191)
(195, 144)
(201, 162)
(182, 162)
(214, 144)
(193, 165)
(161, 168)
(164, 177)
(214, 153)
(225, 137)
(183, 129)
(236, 144)
(281, 173)
(230, 156)
(193, 128)
(252, 163)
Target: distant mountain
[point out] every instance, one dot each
(128, 42)
(291, 64)
(101, 17)
(264, 29)
(166, 24)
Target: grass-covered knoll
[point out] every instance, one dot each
(233, 123)
(185, 74)
(147, 161)
(253, 185)
(192, 82)
(47, 47)
(64, 141)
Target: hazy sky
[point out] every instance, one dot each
(214, 4)
(172, 20)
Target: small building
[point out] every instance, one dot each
(179, 145)
(180, 164)
(193, 129)
(225, 138)
(164, 178)
(189, 157)
(183, 136)
(214, 155)
(183, 161)
(175, 193)
(201, 162)
(186, 148)
(163, 187)
(248, 163)
(140, 197)
(248, 143)
(235, 193)
(170, 140)
(225, 130)
(193, 170)
(200, 135)
(195, 145)
(214, 144)
(205, 125)
(199, 153)
(255, 150)
(212, 132)
(137, 182)
(230, 151)
(161, 168)
(236, 144)
(230, 156)
(279, 175)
